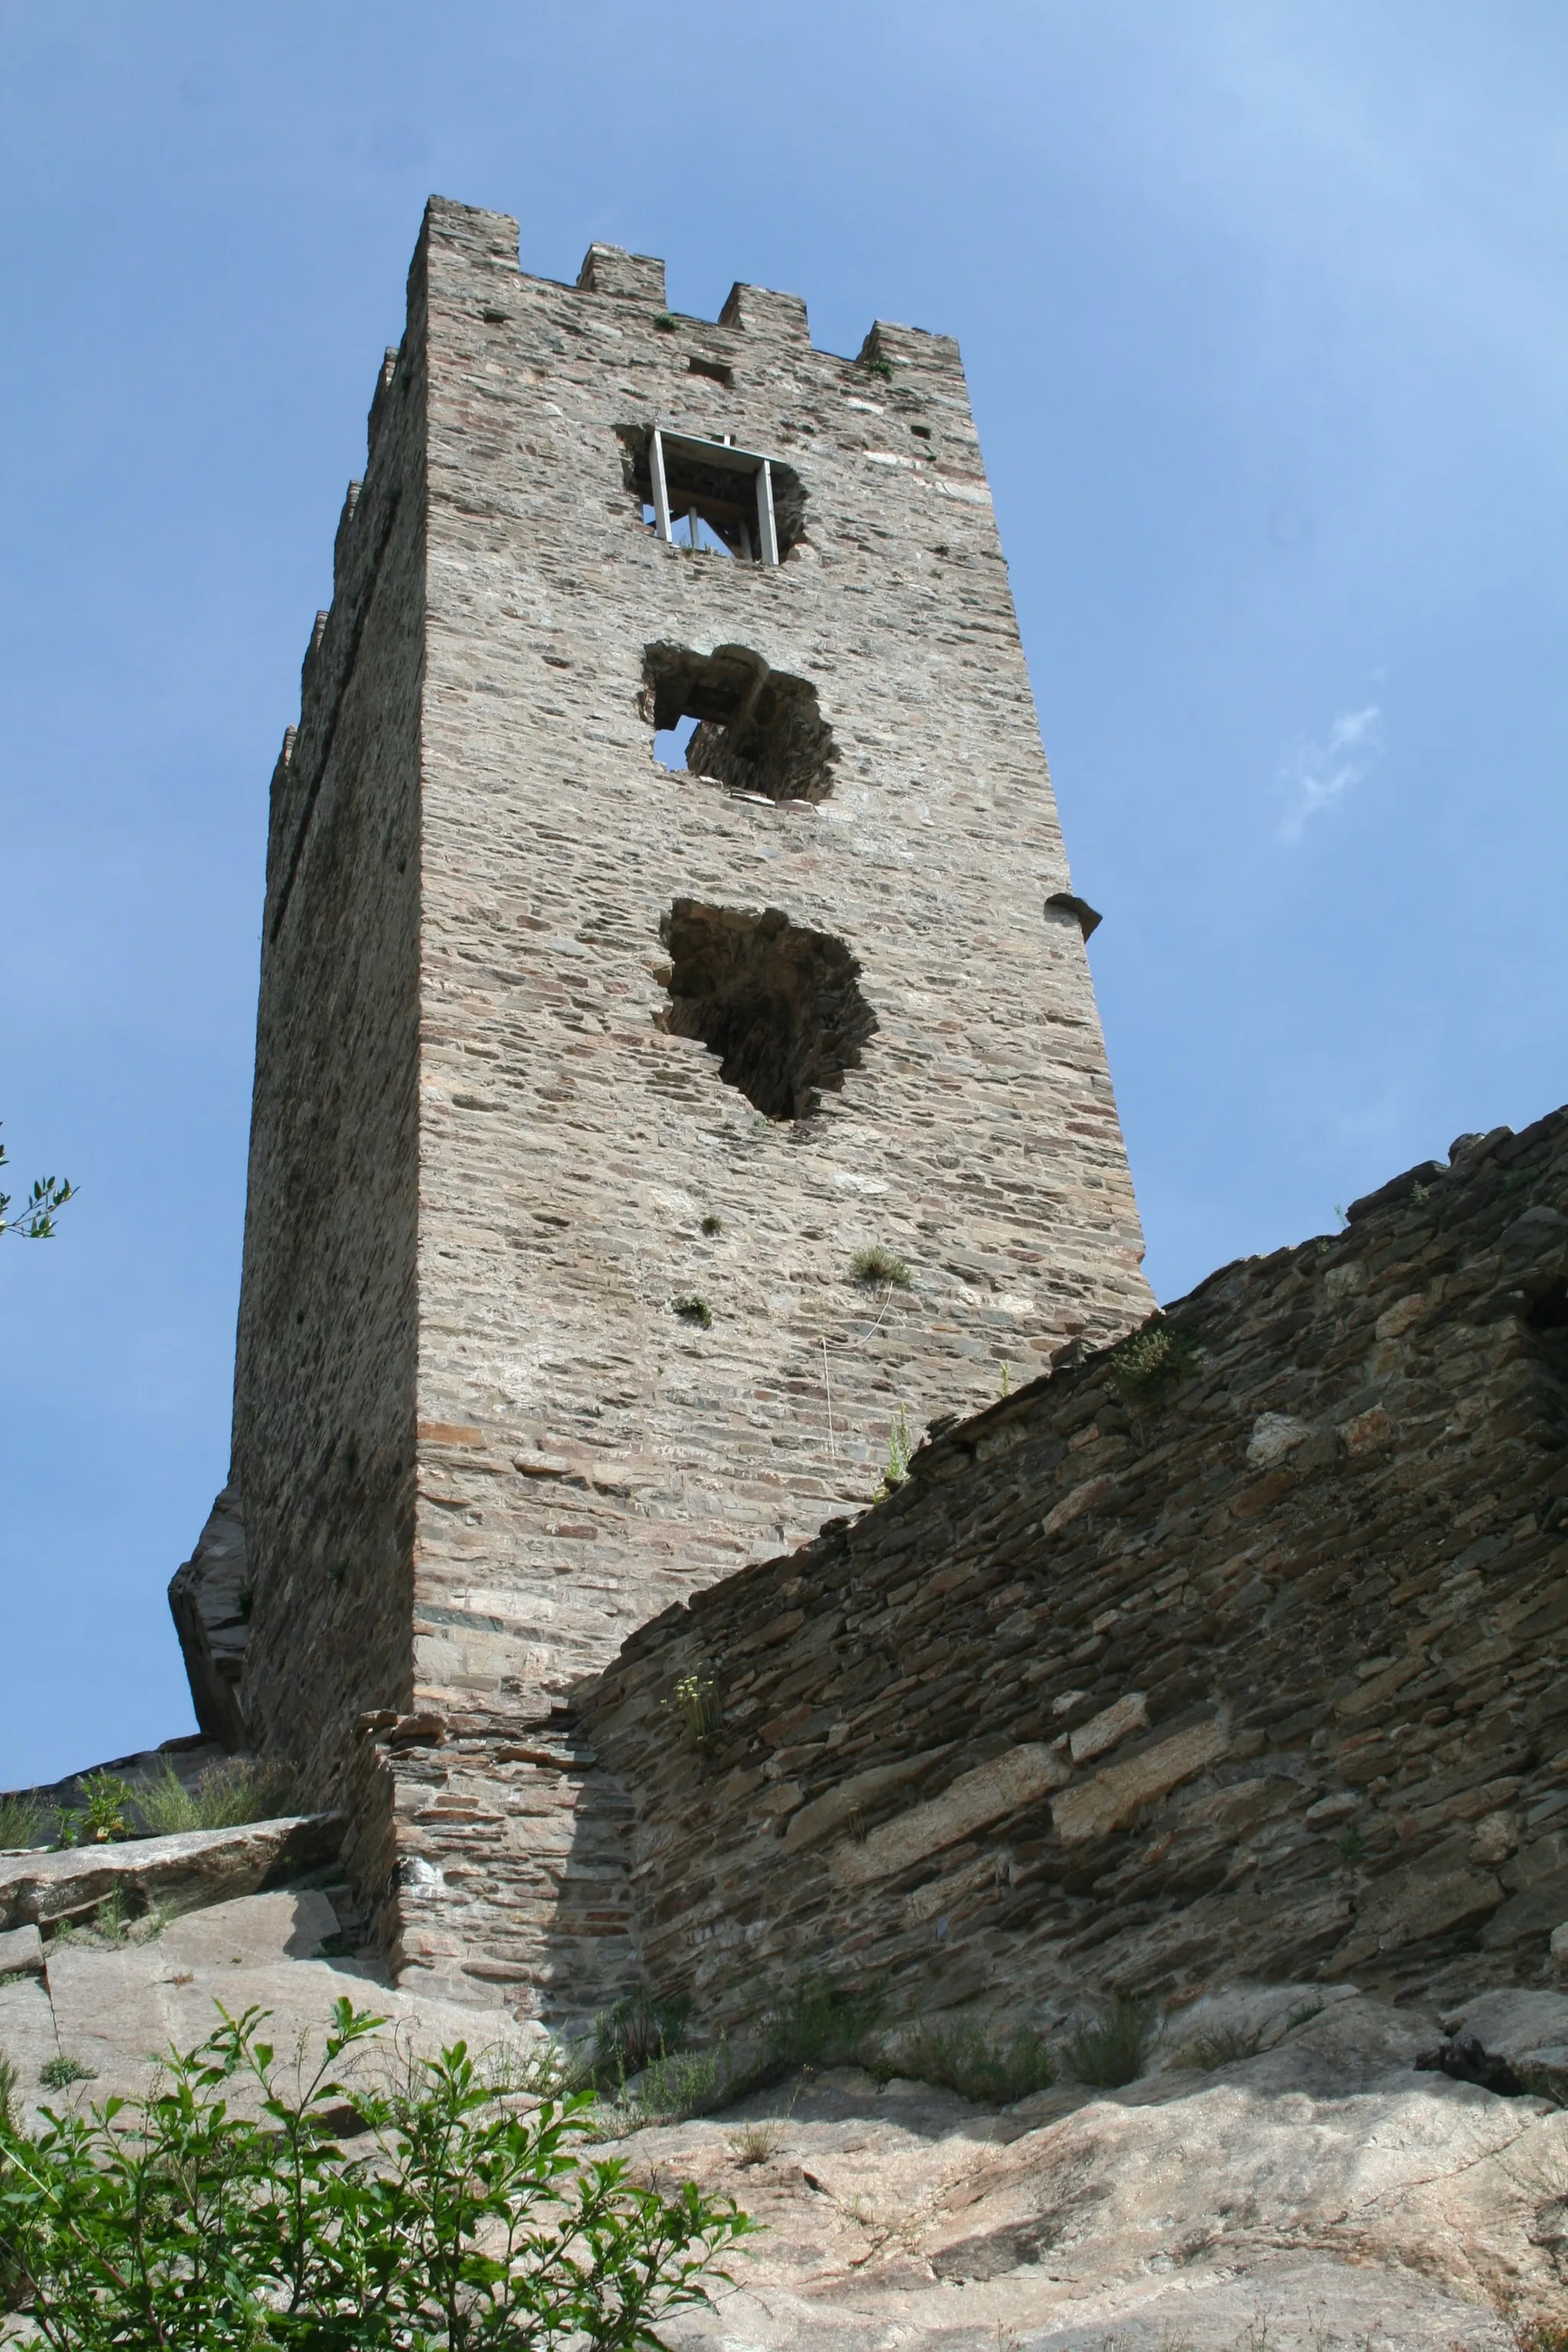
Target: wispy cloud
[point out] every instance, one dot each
(1318, 774)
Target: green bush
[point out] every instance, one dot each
(961, 2058)
(102, 1819)
(1112, 2051)
(224, 1796)
(465, 2224)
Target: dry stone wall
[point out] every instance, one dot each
(1236, 1651)
(545, 1324)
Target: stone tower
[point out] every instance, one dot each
(586, 1079)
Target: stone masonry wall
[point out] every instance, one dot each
(325, 1373)
(582, 1453)
(1249, 1665)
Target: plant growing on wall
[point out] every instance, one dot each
(878, 1265)
(695, 1699)
(1149, 1362)
(898, 1464)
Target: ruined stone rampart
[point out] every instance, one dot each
(1235, 1651)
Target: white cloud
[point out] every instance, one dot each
(1318, 774)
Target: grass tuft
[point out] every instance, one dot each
(1112, 2052)
(814, 2025)
(879, 1265)
(225, 1797)
(22, 1820)
(961, 2057)
(59, 2074)
(692, 1308)
(896, 1469)
(755, 2143)
(1223, 2045)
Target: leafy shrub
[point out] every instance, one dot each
(879, 1265)
(1112, 2052)
(465, 2225)
(693, 1308)
(224, 1796)
(962, 2058)
(22, 1820)
(102, 1820)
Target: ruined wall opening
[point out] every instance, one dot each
(715, 497)
(779, 1004)
(757, 730)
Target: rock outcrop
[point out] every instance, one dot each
(209, 1599)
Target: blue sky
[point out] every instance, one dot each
(1263, 313)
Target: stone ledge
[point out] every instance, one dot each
(184, 1873)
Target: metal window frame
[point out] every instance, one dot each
(713, 453)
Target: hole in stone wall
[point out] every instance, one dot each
(707, 483)
(779, 1004)
(1548, 1311)
(758, 731)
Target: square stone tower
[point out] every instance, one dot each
(641, 1144)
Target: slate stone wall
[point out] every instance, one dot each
(1238, 1650)
(325, 1367)
(480, 1441)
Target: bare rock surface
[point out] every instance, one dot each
(28, 2039)
(209, 1599)
(1321, 2192)
(1282, 2176)
(118, 2009)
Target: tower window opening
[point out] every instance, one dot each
(780, 1005)
(712, 497)
(754, 729)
